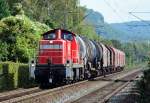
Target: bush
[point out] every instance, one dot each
(144, 86)
(7, 79)
(19, 38)
(23, 76)
(14, 75)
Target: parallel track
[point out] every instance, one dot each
(103, 94)
(18, 93)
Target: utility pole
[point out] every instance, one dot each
(77, 12)
(66, 14)
(64, 26)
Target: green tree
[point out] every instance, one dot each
(4, 11)
(55, 13)
(107, 42)
(17, 9)
(116, 44)
(88, 31)
(3, 51)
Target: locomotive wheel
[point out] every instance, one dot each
(87, 74)
(43, 85)
(68, 81)
(46, 85)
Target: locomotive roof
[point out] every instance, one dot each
(63, 30)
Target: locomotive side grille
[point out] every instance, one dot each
(51, 46)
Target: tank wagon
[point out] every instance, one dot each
(64, 57)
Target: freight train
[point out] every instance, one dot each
(65, 57)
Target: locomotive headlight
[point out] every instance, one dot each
(50, 80)
(67, 63)
(50, 42)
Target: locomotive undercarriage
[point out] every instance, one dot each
(56, 75)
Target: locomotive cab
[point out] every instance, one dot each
(59, 47)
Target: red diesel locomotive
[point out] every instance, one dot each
(64, 57)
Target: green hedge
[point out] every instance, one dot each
(14, 75)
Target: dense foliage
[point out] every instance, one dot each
(4, 11)
(144, 86)
(20, 32)
(55, 13)
(19, 37)
(136, 52)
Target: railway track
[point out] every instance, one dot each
(68, 93)
(103, 94)
(18, 93)
(129, 94)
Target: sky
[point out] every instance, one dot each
(117, 11)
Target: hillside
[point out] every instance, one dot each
(129, 31)
(135, 30)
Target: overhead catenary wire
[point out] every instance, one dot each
(144, 21)
(132, 13)
(129, 26)
(115, 11)
(136, 5)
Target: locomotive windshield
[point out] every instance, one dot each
(67, 36)
(50, 36)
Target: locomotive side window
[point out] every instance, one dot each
(67, 36)
(70, 37)
(50, 36)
